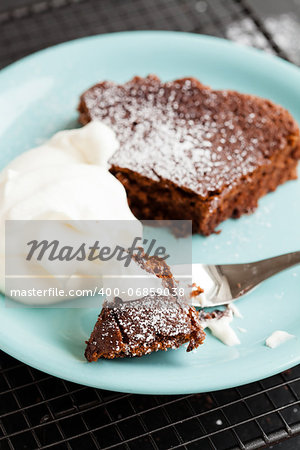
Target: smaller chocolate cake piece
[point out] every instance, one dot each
(140, 327)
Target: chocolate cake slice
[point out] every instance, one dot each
(139, 327)
(190, 152)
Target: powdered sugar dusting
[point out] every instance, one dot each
(138, 327)
(186, 133)
(142, 320)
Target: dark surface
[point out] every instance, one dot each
(40, 411)
(33, 25)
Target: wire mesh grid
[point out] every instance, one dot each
(44, 23)
(40, 411)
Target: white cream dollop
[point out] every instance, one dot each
(66, 178)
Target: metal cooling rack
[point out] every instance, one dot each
(40, 411)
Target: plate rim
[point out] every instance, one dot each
(125, 387)
(128, 387)
(221, 41)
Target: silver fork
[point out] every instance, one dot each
(224, 283)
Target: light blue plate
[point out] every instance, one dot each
(38, 97)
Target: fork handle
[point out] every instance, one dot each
(254, 273)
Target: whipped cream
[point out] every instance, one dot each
(221, 329)
(277, 338)
(66, 179)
